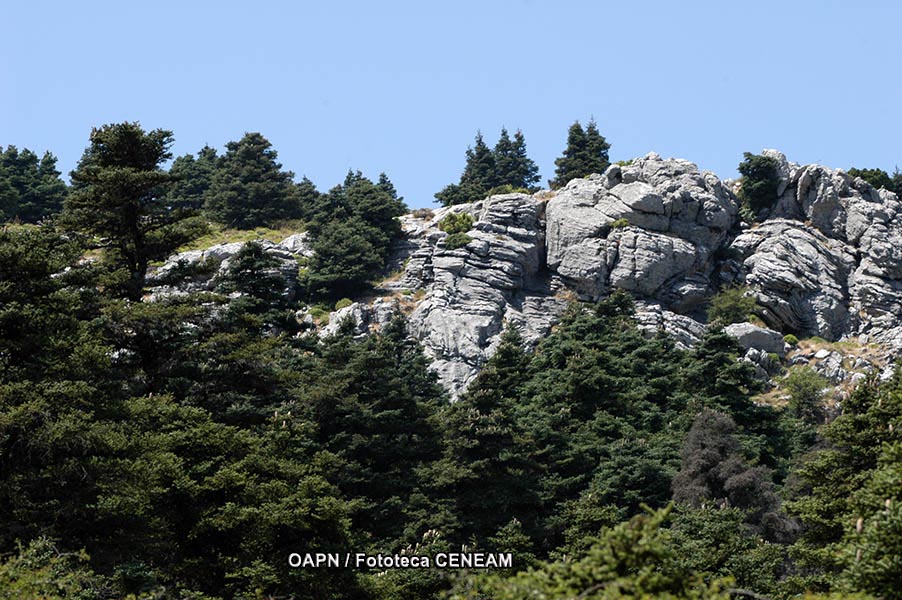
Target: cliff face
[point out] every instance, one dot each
(825, 261)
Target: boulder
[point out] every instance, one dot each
(751, 336)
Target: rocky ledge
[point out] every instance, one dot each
(825, 260)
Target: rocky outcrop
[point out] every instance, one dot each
(650, 228)
(201, 270)
(473, 291)
(825, 260)
(800, 277)
(828, 259)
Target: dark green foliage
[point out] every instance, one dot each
(477, 178)
(485, 442)
(731, 305)
(718, 541)
(372, 409)
(384, 184)
(344, 260)
(183, 447)
(594, 384)
(876, 177)
(512, 166)
(805, 387)
(586, 153)
(308, 197)
(117, 199)
(633, 560)
(30, 187)
(505, 167)
(352, 229)
(760, 178)
(848, 497)
(192, 178)
(249, 187)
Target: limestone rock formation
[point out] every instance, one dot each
(824, 260)
(201, 270)
(828, 261)
(650, 228)
(471, 292)
(762, 339)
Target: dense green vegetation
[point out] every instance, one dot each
(183, 448)
(30, 187)
(879, 178)
(504, 169)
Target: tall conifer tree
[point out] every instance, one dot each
(250, 188)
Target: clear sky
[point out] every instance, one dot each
(402, 87)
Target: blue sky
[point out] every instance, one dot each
(402, 87)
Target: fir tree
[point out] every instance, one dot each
(30, 187)
(526, 172)
(250, 189)
(505, 160)
(117, 198)
(586, 153)
(477, 179)
(192, 178)
(596, 151)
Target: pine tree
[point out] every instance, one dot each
(250, 189)
(117, 198)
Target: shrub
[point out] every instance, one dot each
(806, 388)
(506, 189)
(620, 223)
(423, 213)
(343, 303)
(878, 178)
(760, 179)
(456, 223)
(791, 339)
(624, 163)
(731, 305)
(319, 314)
(457, 240)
